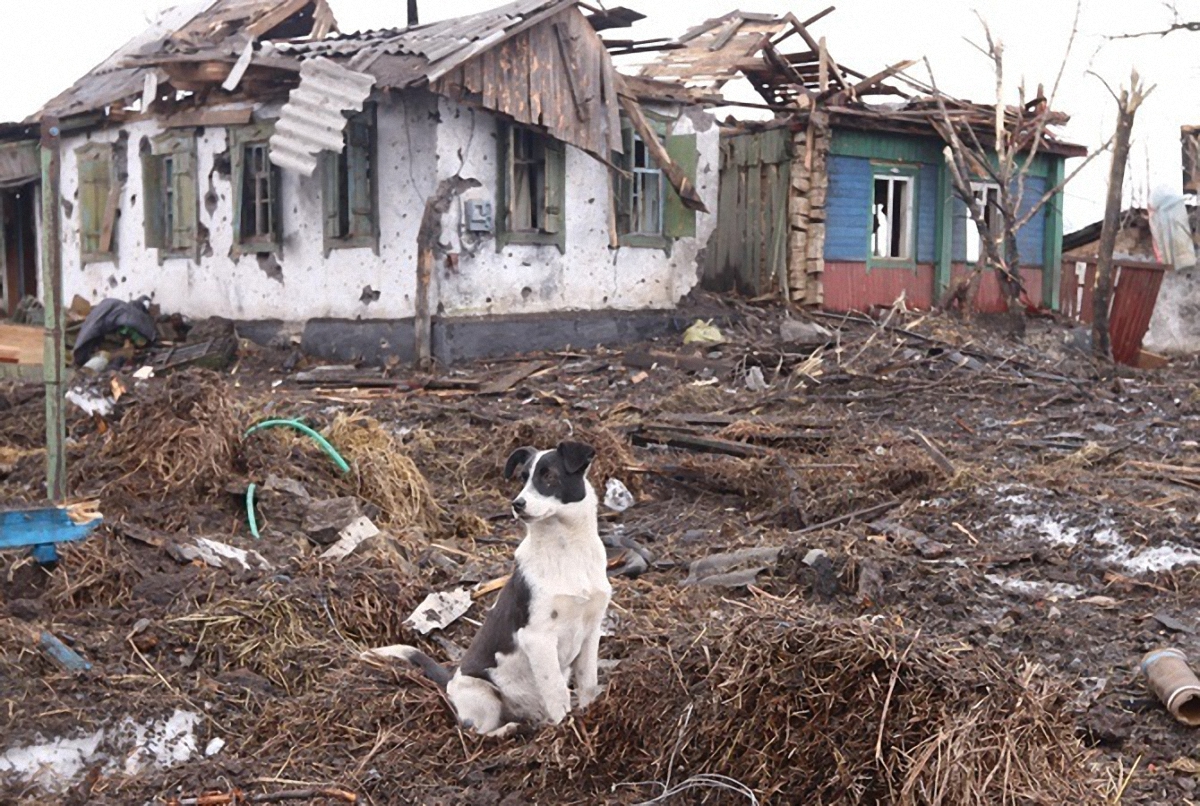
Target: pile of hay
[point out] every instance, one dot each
(175, 435)
(791, 706)
(387, 476)
(805, 709)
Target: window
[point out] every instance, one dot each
(99, 194)
(648, 211)
(349, 198)
(532, 188)
(169, 195)
(641, 211)
(258, 195)
(986, 194)
(256, 216)
(892, 218)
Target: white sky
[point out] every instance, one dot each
(48, 44)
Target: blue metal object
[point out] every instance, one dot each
(66, 657)
(42, 529)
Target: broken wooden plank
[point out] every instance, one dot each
(935, 453)
(511, 379)
(108, 225)
(697, 443)
(689, 363)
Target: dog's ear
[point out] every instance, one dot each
(520, 457)
(575, 456)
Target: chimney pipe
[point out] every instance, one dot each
(412, 13)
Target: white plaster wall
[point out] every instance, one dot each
(422, 139)
(307, 284)
(1175, 326)
(524, 278)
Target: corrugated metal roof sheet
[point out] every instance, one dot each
(441, 45)
(312, 120)
(211, 28)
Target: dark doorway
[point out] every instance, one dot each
(18, 245)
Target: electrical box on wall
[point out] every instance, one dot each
(479, 215)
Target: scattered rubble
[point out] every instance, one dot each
(916, 524)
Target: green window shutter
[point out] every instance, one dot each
(624, 183)
(153, 199)
(556, 186)
(504, 183)
(358, 168)
(94, 184)
(678, 220)
(329, 197)
(276, 205)
(186, 211)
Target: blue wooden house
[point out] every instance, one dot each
(844, 203)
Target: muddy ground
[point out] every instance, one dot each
(1017, 572)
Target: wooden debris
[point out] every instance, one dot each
(935, 453)
(509, 380)
(693, 442)
(688, 363)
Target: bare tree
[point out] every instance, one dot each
(1127, 106)
(1178, 23)
(1003, 157)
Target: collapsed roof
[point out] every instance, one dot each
(798, 82)
(210, 33)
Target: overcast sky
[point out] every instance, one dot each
(48, 44)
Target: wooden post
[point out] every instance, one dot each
(423, 335)
(1127, 106)
(54, 354)
(427, 241)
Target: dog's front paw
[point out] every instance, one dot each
(587, 696)
(557, 711)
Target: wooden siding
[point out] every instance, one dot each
(989, 299)
(751, 244)
(556, 75)
(911, 148)
(850, 286)
(848, 222)
(1030, 238)
(886, 146)
(847, 206)
(926, 194)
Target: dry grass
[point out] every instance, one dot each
(387, 476)
(180, 435)
(794, 706)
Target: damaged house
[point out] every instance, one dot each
(842, 203)
(244, 159)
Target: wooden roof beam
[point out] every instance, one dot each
(870, 81)
(675, 175)
(814, 45)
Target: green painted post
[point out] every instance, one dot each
(944, 237)
(54, 354)
(1052, 261)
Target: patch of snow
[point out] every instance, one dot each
(1152, 560)
(1026, 587)
(1048, 529)
(55, 764)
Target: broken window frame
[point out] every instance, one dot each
(677, 221)
(905, 257)
(350, 176)
(989, 194)
(170, 196)
(99, 193)
(243, 139)
(549, 209)
(627, 186)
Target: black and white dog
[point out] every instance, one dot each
(544, 631)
